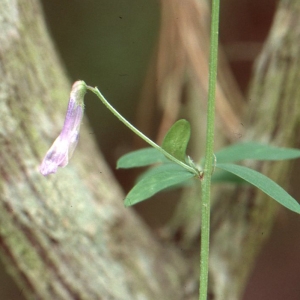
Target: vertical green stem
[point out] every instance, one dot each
(208, 165)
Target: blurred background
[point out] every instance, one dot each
(113, 45)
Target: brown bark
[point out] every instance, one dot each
(66, 236)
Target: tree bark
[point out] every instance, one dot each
(66, 236)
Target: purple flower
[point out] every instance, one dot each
(64, 145)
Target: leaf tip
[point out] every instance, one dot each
(127, 202)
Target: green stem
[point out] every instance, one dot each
(208, 165)
(140, 134)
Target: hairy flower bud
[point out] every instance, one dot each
(63, 147)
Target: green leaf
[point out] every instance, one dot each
(177, 138)
(220, 176)
(160, 178)
(252, 150)
(157, 169)
(164, 167)
(141, 158)
(264, 183)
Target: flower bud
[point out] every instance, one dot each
(63, 147)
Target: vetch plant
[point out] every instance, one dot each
(172, 166)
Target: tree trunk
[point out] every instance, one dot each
(66, 236)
